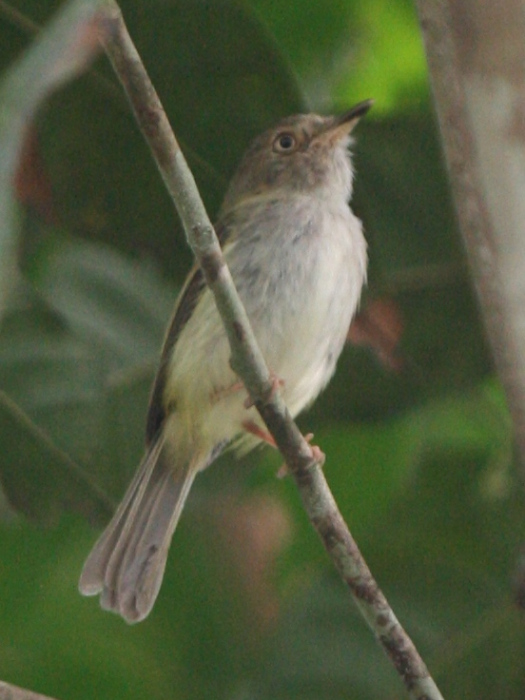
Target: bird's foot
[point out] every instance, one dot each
(276, 383)
(224, 392)
(252, 427)
(317, 454)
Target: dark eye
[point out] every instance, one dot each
(284, 143)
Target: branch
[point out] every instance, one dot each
(13, 692)
(249, 364)
(479, 105)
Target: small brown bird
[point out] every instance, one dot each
(298, 258)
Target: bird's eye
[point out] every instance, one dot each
(284, 143)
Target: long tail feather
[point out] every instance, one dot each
(127, 563)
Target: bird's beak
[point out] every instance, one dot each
(339, 127)
(349, 119)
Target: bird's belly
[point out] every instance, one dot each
(302, 318)
(302, 342)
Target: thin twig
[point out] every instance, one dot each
(250, 366)
(18, 19)
(13, 692)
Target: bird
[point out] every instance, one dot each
(298, 258)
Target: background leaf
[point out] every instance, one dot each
(57, 56)
(30, 485)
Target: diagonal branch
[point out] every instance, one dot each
(13, 692)
(250, 366)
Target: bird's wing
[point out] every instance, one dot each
(188, 299)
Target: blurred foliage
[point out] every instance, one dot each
(415, 426)
(342, 49)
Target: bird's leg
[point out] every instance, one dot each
(264, 435)
(251, 427)
(224, 392)
(276, 381)
(317, 454)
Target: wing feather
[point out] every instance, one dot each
(187, 301)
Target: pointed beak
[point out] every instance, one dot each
(339, 127)
(349, 119)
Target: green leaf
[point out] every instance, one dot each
(114, 303)
(43, 481)
(79, 360)
(59, 54)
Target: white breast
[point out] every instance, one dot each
(313, 281)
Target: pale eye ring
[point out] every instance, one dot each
(284, 143)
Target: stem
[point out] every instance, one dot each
(250, 366)
(13, 692)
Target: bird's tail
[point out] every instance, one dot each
(127, 563)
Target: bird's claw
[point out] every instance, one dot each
(276, 383)
(317, 455)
